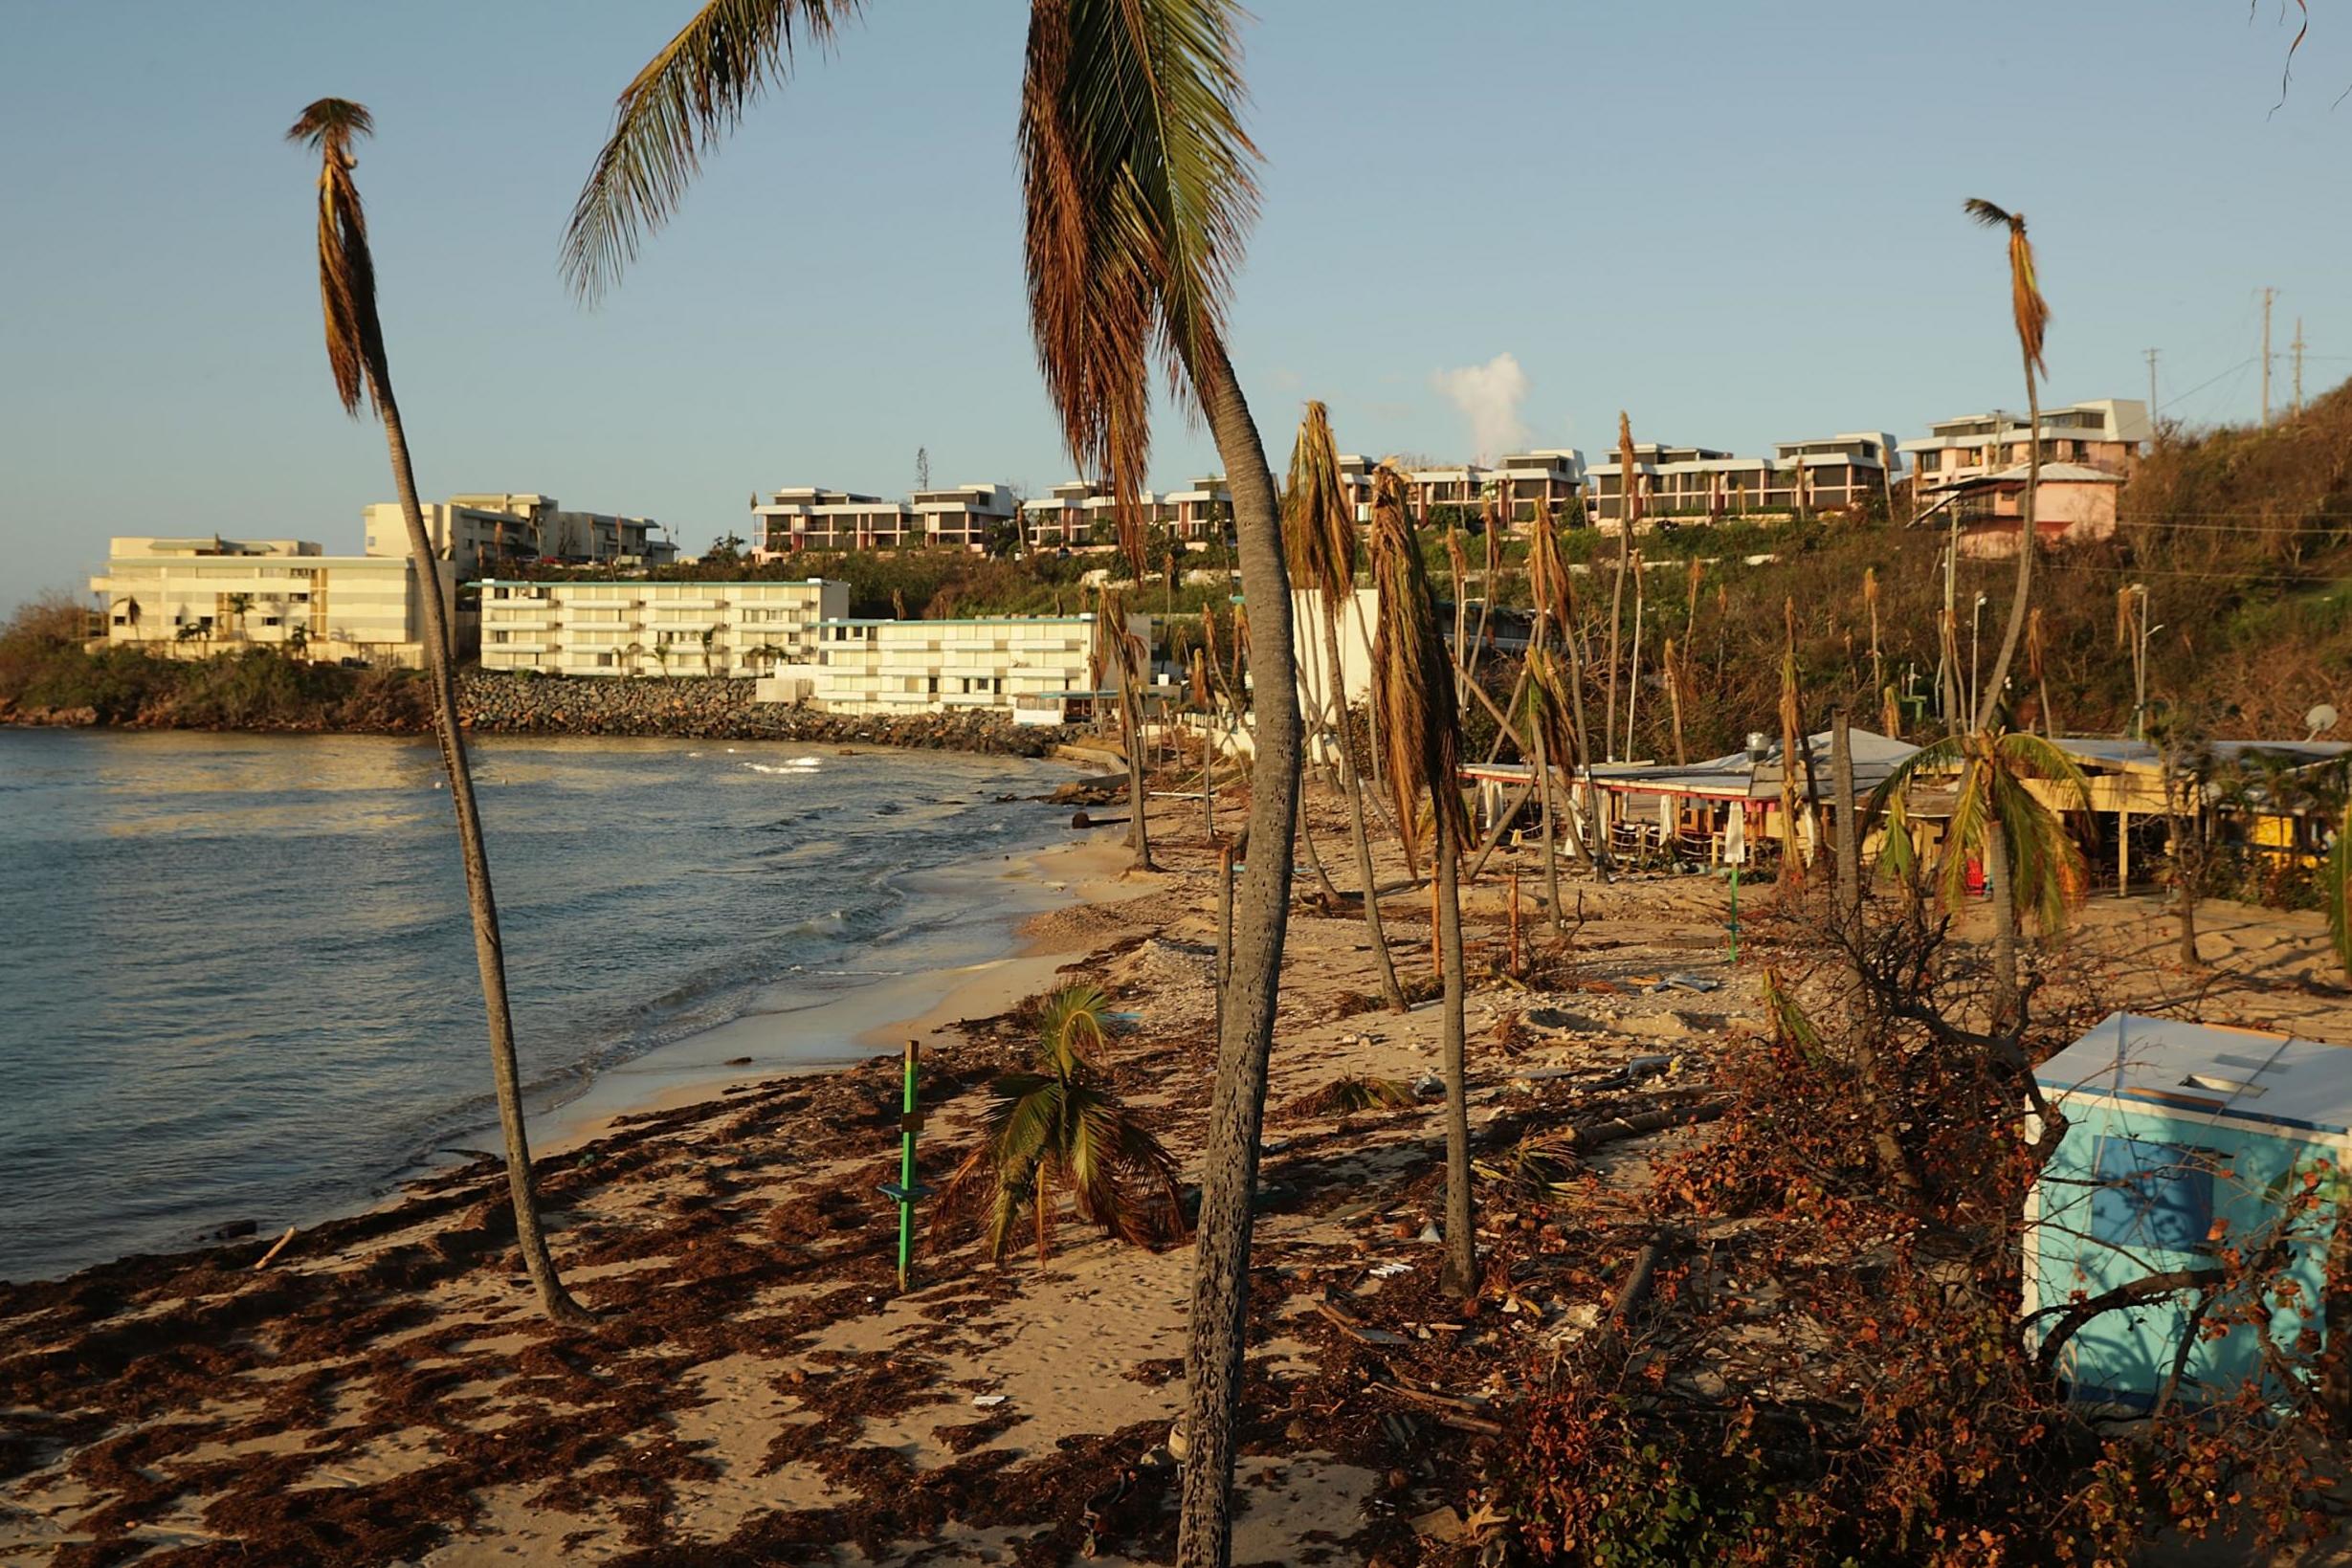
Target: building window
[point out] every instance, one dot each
(2152, 1197)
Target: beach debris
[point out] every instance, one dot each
(1360, 1332)
(1357, 1092)
(987, 1401)
(1391, 1269)
(1695, 983)
(278, 1247)
(1430, 1086)
(1428, 1233)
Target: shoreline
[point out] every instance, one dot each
(923, 1004)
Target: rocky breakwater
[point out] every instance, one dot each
(717, 709)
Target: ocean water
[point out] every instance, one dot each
(237, 981)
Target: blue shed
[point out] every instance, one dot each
(2182, 1139)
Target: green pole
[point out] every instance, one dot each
(1735, 912)
(909, 1124)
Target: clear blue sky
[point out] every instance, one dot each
(1741, 221)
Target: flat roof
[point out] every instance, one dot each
(2209, 1070)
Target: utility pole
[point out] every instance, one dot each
(2297, 346)
(2267, 296)
(2151, 353)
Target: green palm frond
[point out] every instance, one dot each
(1898, 857)
(1140, 188)
(1937, 757)
(673, 114)
(1789, 1022)
(2046, 874)
(1074, 1022)
(2030, 756)
(1318, 516)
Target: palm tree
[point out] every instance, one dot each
(1055, 1126)
(1629, 512)
(1318, 528)
(1118, 656)
(1139, 189)
(2031, 315)
(355, 354)
(1995, 814)
(1422, 726)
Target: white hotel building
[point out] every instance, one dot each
(1031, 666)
(653, 628)
(191, 597)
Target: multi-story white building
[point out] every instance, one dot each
(1085, 512)
(1204, 511)
(812, 517)
(962, 517)
(653, 628)
(189, 598)
(1033, 667)
(480, 533)
(2105, 433)
(1547, 483)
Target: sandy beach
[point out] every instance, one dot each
(757, 1390)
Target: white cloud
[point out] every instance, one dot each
(1489, 396)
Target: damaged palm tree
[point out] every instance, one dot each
(1056, 1128)
(362, 371)
(1118, 658)
(1139, 186)
(1422, 726)
(2029, 314)
(1318, 528)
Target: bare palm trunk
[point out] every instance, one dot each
(1551, 827)
(1616, 619)
(1989, 696)
(1461, 1272)
(1849, 845)
(2003, 926)
(489, 952)
(1131, 720)
(1390, 992)
(1229, 1161)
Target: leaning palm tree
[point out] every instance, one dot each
(2030, 313)
(1319, 529)
(1422, 726)
(1055, 1127)
(1118, 656)
(1994, 811)
(355, 354)
(1138, 187)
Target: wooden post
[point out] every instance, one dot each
(1514, 960)
(2123, 851)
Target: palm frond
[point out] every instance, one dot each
(1547, 577)
(2030, 310)
(1898, 857)
(1628, 505)
(2033, 755)
(1420, 728)
(2047, 876)
(346, 268)
(1936, 756)
(1318, 516)
(1139, 183)
(1075, 1021)
(1964, 835)
(673, 114)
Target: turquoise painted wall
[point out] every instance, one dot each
(2136, 1191)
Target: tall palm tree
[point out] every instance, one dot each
(2030, 313)
(1118, 656)
(1318, 528)
(1056, 1126)
(1995, 814)
(355, 354)
(1629, 511)
(1422, 725)
(1138, 187)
